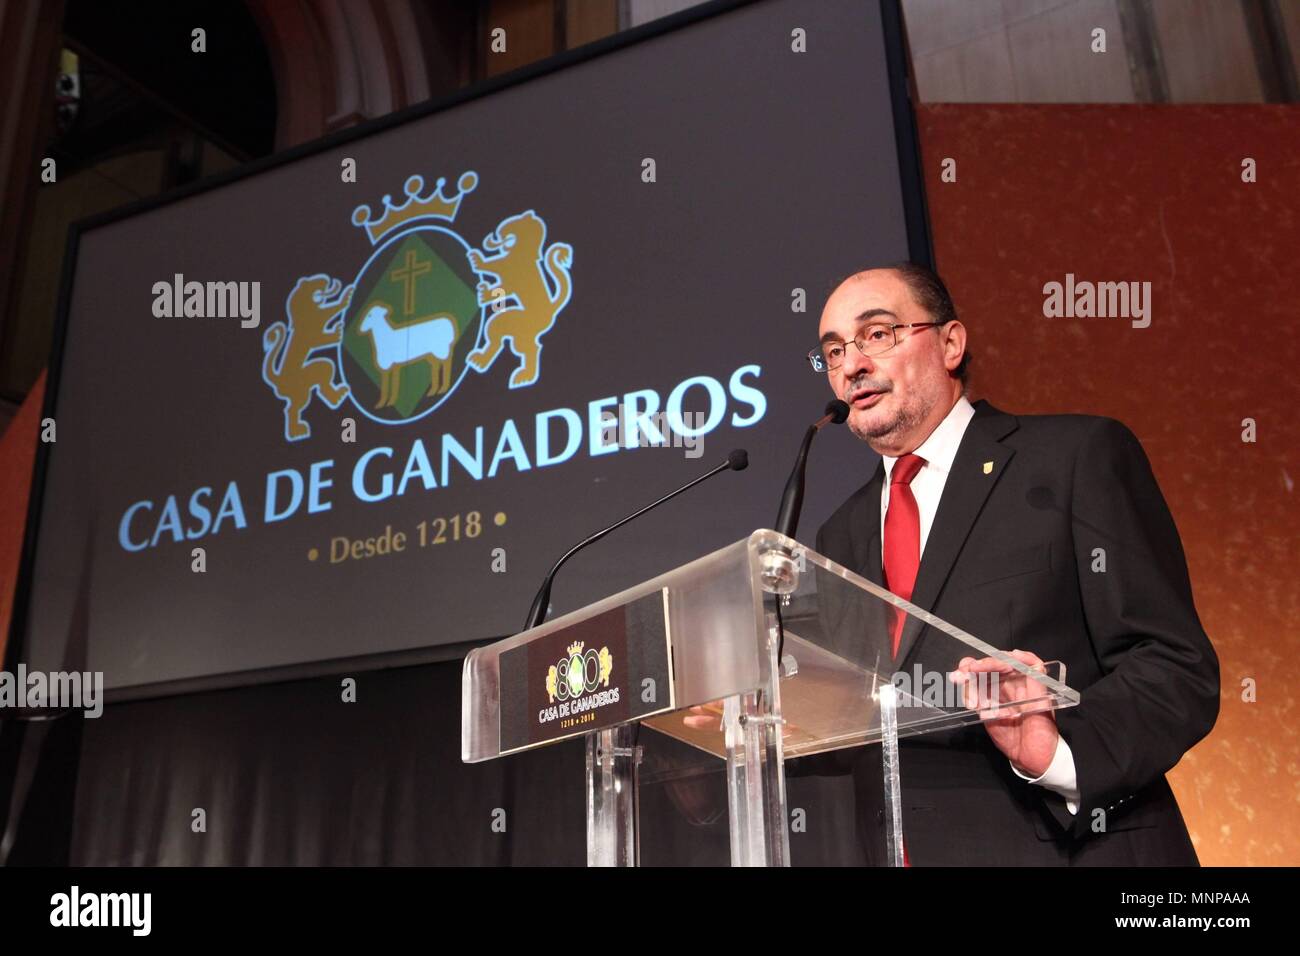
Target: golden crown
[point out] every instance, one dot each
(433, 206)
(576, 648)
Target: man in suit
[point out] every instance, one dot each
(1045, 536)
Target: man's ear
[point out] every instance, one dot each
(954, 344)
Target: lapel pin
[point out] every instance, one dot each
(988, 467)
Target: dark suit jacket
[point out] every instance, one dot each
(1010, 558)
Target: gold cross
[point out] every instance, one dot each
(409, 274)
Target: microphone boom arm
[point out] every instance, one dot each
(787, 516)
(736, 461)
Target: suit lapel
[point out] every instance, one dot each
(868, 561)
(964, 493)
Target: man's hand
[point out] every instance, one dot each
(704, 716)
(1028, 741)
(709, 717)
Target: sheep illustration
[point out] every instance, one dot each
(431, 339)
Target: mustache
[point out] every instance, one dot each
(865, 381)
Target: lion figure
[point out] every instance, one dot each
(523, 308)
(606, 661)
(313, 308)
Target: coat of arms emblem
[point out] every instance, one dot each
(425, 309)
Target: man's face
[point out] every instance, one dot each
(897, 398)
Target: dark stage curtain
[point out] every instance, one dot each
(289, 774)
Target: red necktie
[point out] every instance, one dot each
(902, 537)
(902, 547)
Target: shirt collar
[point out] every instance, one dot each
(940, 448)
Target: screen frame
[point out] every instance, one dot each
(920, 249)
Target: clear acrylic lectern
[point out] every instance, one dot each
(757, 653)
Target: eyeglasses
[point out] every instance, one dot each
(874, 339)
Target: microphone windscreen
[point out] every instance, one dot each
(839, 409)
(738, 460)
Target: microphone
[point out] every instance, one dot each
(738, 460)
(787, 517)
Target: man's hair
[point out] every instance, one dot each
(930, 294)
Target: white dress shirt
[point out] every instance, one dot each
(939, 449)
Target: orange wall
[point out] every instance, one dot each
(1154, 193)
(17, 455)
